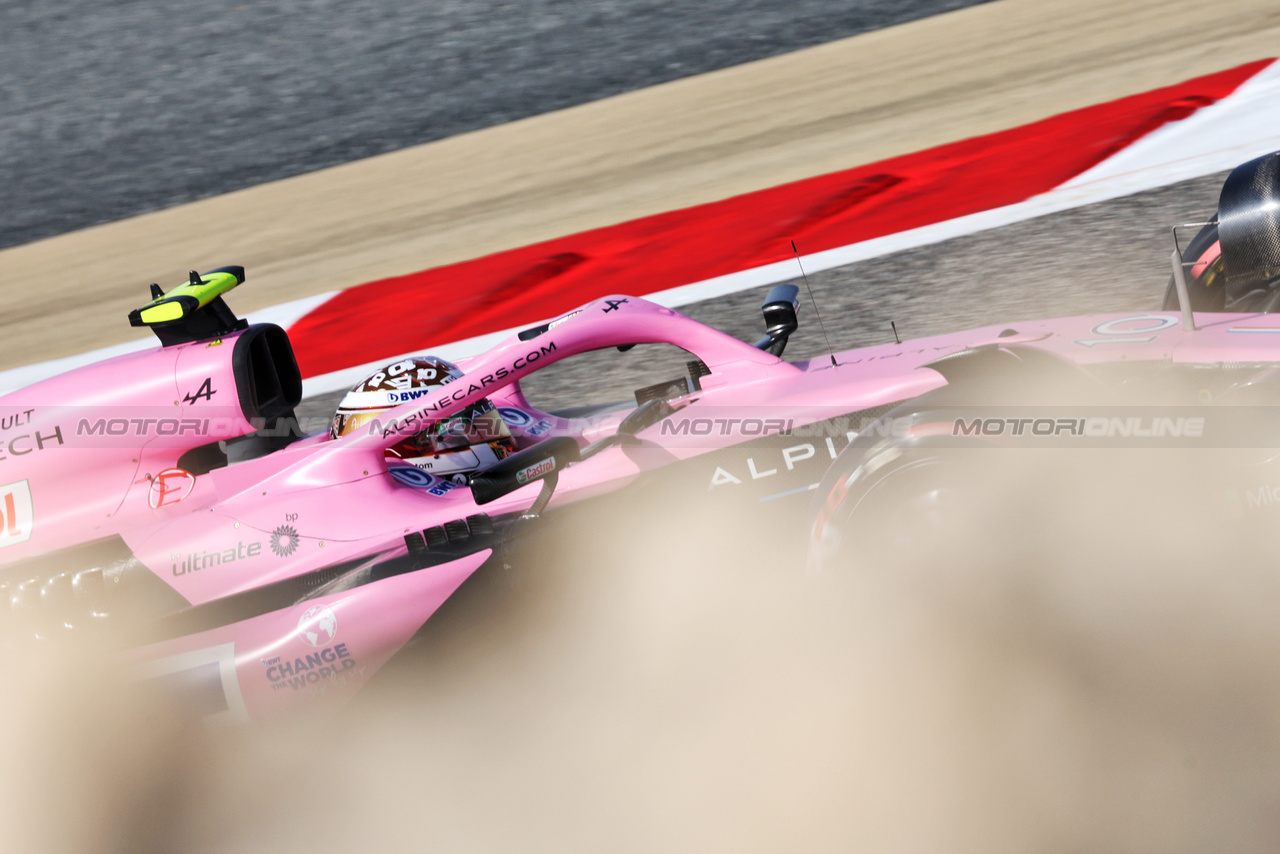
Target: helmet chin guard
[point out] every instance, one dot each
(457, 462)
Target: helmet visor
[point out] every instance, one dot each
(347, 421)
(475, 425)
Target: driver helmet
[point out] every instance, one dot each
(471, 439)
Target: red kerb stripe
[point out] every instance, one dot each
(399, 315)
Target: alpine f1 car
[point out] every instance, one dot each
(171, 492)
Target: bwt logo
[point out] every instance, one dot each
(406, 396)
(16, 516)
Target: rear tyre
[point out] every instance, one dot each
(902, 507)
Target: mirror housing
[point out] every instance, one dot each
(780, 309)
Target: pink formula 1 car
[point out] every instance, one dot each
(170, 491)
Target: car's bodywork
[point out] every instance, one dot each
(170, 490)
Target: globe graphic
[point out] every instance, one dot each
(318, 626)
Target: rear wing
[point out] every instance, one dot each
(194, 310)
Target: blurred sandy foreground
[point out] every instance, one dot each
(884, 93)
(661, 679)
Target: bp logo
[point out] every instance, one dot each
(318, 626)
(284, 540)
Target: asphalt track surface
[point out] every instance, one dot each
(108, 110)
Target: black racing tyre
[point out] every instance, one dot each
(902, 507)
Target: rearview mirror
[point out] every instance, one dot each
(780, 307)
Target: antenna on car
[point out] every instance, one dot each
(1180, 285)
(896, 339)
(817, 313)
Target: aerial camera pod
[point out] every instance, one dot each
(1249, 225)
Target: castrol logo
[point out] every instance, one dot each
(536, 471)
